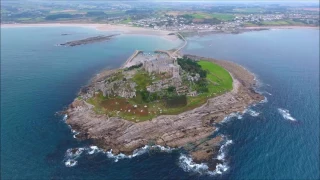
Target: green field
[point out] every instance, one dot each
(276, 23)
(219, 16)
(223, 17)
(199, 16)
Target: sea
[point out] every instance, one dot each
(277, 138)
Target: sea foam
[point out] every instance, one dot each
(65, 117)
(265, 100)
(253, 113)
(286, 115)
(231, 116)
(239, 115)
(188, 165)
(73, 154)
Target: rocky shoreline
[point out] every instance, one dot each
(191, 130)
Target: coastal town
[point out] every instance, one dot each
(171, 17)
(182, 23)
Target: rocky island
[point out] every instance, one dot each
(88, 40)
(158, 98)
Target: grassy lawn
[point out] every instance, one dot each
(219, 77)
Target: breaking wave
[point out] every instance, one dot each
(74, 132)
(73, 154)
(253, 113)
(188, 165)
(265, 100)
(265, 92)
(231, 116)
(286, 115)
(65, 117)
(239, 115)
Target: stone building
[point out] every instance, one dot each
(162, 65)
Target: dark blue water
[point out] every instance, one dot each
(39, 79)
(286, 63)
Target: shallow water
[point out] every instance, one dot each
(39, 79)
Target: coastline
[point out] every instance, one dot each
(126, 29)
(190, 130)
(123, 29)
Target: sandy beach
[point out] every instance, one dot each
(124, 29)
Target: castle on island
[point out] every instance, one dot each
(162, 65)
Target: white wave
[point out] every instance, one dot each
(239, 115)
(71, 163)
(163, 149)
(115, 157)
(73, 154)
(253, 113)
(222, 151)
(286, 115)
(75, 133)
(221, 168)
(188, 165)
(65, 117)
(265, 92)
(93, 149)
(265, 100)
(137, 152)
(231, 116)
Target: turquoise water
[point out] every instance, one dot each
(38, 79)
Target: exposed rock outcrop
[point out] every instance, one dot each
(87, 40)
